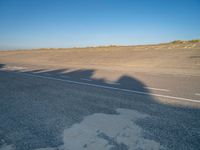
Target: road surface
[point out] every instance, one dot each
(51, 110)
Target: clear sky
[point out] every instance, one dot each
(77, 23)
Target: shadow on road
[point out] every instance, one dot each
(34, 111)
(2, 66)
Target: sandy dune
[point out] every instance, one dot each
(178, 58)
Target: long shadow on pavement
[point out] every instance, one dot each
(35, 111)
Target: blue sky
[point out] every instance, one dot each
(79, 23)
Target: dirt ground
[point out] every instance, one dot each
(169, 58)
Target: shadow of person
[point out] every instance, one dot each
(87, 73)
(2, 66)
(131, 83)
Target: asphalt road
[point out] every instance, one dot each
(53, 110)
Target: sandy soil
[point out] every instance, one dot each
(180, 58)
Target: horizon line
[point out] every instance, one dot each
(104, 46)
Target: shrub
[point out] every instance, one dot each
(177, 42)
(195, 41)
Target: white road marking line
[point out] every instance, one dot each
(15, 68)
(198, 94)
(113, 88)
(86, 79)
(157, 89)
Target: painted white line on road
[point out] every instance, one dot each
(198, 94)
(15, 68)
(157, 89)
(114, 88)
(86, 79)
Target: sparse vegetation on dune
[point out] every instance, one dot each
(189, 41)
(194, 41)
(177, 42)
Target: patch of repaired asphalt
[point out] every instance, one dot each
(107, 132)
